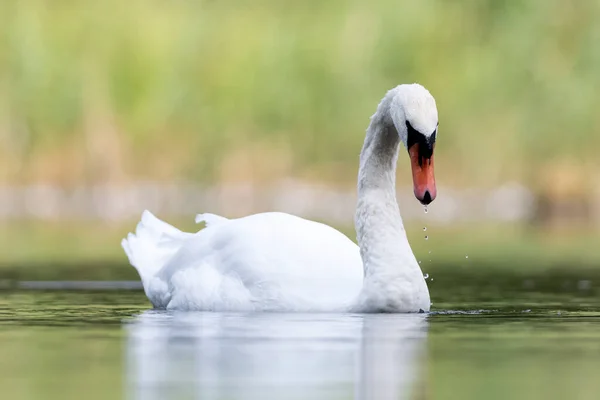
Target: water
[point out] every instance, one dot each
(101, 345)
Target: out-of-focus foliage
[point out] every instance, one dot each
(111, 90)
(214, 91)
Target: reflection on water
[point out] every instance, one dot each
(261, 356)
(107, 345)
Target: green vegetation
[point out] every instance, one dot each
(93, 91)
(111, 91)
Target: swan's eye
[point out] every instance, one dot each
(426, 143)
(431, 139)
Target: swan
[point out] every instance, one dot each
(275, 261)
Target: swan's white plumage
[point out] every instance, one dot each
(280, 262)
(267, 262)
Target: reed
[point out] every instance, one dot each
(116, 91)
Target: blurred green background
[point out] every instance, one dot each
(100, 97)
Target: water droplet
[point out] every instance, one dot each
(419, 262)
(429, 251)
(426, 237)
(431, 280)
(424, 229)
(466, 256)
(426, 210)
(426, 276)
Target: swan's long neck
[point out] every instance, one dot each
(393, 280)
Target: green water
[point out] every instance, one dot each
(110, 345)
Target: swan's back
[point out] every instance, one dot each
(268, 262)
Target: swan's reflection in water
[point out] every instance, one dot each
(278, 356)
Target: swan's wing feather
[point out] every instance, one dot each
(210, 219)
(268, 261)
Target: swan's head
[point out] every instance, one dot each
(415, 117)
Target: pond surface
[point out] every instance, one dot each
(111, 345)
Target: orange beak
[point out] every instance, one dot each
(423, 178)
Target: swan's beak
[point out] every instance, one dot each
(422, 172)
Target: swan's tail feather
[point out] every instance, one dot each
(152, 245)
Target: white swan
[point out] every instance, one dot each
(280, 262)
